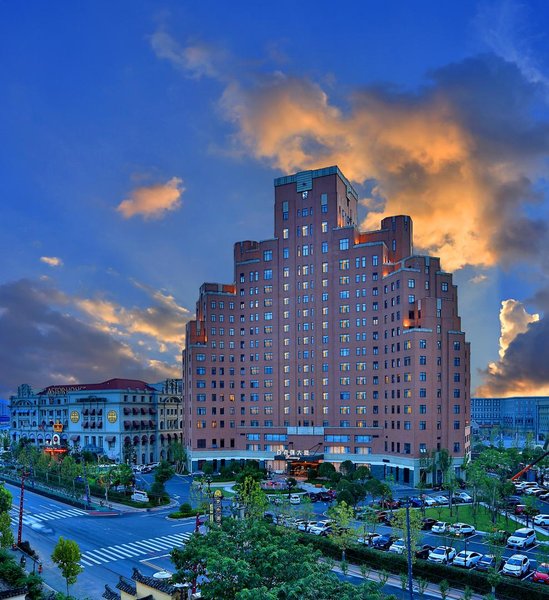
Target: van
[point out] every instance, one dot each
(138, 496)
(295, 499)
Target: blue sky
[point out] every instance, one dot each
(140, 141)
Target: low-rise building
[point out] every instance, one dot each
(124, 420)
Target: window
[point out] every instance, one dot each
(344, 264)
(324, 247)
(457, 447)
(444, 286)
(411, 298)
(285, 233)
(457, 424)
(268, 274)
(375, 260)
(423, 343)
(423, 409)
(457, 346)
(344, 244)
(423, 425)
(411, 283)
(267, 255)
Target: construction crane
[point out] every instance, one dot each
(528, 467)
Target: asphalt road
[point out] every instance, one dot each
(110, 546)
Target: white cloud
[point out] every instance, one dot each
(152, 202)
(52, 261)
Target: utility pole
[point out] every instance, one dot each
(24, 475)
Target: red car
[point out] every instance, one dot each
(541, 574)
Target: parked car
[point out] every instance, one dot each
(392, 504)
(368, 538)
(313, 496)
(512, 501)
(325, 497)
(295, 499)
(487, 562)
(415, 502)
(383, 542)
(442, 554)
(428, 501)
(467, 559)
(320, 527)
(441, 499)
(423, 551)
(306, 525)
(522, 538)
(398, 546)
(440, 527)
(463, 497)
(541, 520)
(384, 517)
(544, 496)
(541, 574)
(462, 529)
(427, 523)
(516, 566)
(533, 491)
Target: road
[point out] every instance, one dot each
(110, 546)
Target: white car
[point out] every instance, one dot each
(440, 527)
(295, 499)
(517, 566)
(320, 527)
(306, 525)
(544, 496)
(467, 559)
(398, 546)
(533, 491)
(428, 501)
(442, 554)
(462, 529)
(521, 538)
(441, 499)
(541, 520)
(463, 497)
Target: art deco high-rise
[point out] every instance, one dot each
(331, 343)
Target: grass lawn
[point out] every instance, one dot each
(482, 521)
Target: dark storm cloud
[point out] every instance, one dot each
(42, 345)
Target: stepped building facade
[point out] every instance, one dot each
(330, 344)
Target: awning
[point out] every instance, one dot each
(75, 438)
(92, 424)
(127, 424)
(152, 438)
(110, 438)
(143, 410)
(136, 424)
(144, 439)
(85, 411)
(99, 424)
(85, 424)
(92, 412)
(127, 410)
(135, 410)
(100, 411)
(152, 411)
(151, 424)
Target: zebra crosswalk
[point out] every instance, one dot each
(30, 518)
(164, 543)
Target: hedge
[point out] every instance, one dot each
(433, 572)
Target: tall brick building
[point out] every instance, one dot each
(330, 344)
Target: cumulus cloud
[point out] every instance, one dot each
(460, 156)
(479, 278)
(163, 320)
(153, 201)
(524, 345)
(45, 342)
(52, 261)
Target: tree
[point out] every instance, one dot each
(178, 452)
(400, 526)
(66, 555)
(125, 475)
(342, 534)
(347, 468)
(326, 469)
(5, 499)
(362, 473)
(246, 560)
(164, 472)
(129, 455)
(6, 541)
(70, 469)
(252, 497)
(444, 588)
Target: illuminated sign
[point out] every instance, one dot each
(58, 427)
(75, 416)
(65, 389)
